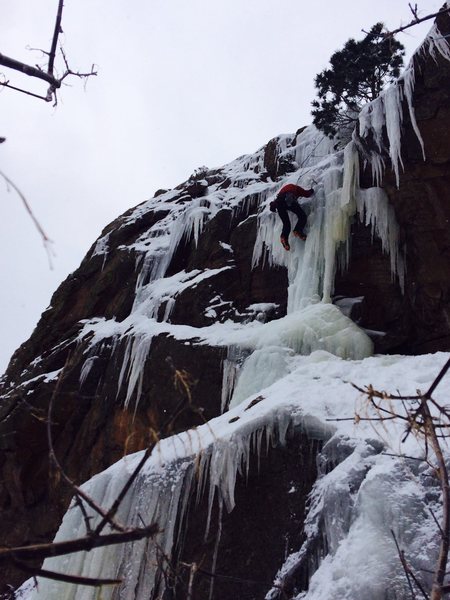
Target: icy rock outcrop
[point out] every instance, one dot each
(177, 276)
(363, 501)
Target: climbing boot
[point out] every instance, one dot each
(284, 243)
(300, 235)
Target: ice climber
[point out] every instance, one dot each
(287, 200)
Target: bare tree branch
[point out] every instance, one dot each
(17, 89)
(436, 590)
(404, 564)
(75, 579)
(112, 511)
(93, 538)
(46, 240)
(56, 33)
(415, 21)
(16, 65)
(47, 75)
(86, 543)
(423, 423)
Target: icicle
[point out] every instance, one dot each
(375, 210)
(409, 81)
(86, 368)
(132, 370)
(170, 305)
(393, 97)
(138, 563)
(435, 43)
(386, 110)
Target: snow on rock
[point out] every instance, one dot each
(354, 508)
(311, 265)
(386, 111)
(282, 376)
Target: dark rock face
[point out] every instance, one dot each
(250, 543)
(381, 308)
(422, 206)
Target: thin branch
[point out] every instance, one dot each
(357, 419)
(42, 233)
(17, 89)
(17, 65)
(49, 74)
(414, 11)
(439, 577)
(404, 565)
(112, 511)
(370, 391)
(441, 374)
(75, 579)
(56, 33)
(408, 573)
(86, 543)
(415, 21)
(404, 456)
(436, 521)
(86, 517)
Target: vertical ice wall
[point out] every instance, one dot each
(136, 562)
(210, 458)
(337, 200)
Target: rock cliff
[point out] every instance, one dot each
(177, 285)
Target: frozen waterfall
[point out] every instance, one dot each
(287, 375)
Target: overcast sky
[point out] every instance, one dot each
(181, 83)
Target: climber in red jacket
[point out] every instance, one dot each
(287, 200)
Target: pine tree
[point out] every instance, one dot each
(357, 75)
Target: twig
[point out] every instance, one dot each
(422, 422)
(75, 579)
(370, 391)
(438, 379)
(439, 577)
(49, 74)
(46, 240)
(12, 87)
(404, 565)
(17, 65)
(356, 419)
(404, 456)
(414, 11)
(112, 511)
(86, 543)
(56, 33)
(86, 517)
(415, 21)
(436, 521)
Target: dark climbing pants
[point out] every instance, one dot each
(283, 212)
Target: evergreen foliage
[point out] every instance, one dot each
(356, 76)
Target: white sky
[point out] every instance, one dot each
(181, 83)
